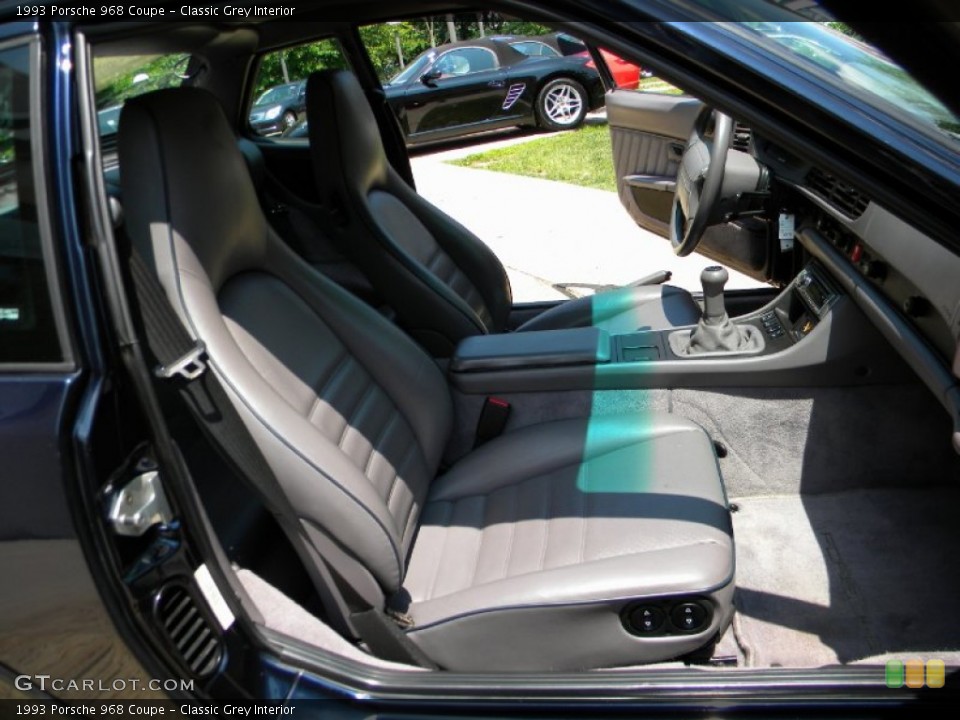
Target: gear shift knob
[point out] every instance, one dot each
(713, 279)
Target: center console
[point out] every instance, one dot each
(810, 334)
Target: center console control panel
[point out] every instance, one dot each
(586, 356)
(797, 311)
(786, 321)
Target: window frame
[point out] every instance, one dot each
(38, 162)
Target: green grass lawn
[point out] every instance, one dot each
(658, 86)
(580, 157)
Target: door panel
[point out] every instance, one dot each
(646, 167)
(669, 116)
(648, 133)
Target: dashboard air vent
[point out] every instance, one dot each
(742, 137)
(840, 195)
(190, 633)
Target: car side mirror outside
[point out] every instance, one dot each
(430, 77)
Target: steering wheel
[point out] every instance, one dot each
(699, 180)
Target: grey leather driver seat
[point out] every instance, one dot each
(566, 545)
(443, 282)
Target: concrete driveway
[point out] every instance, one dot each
(547, 232)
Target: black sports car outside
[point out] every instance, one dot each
(486, 84)
(279, 108)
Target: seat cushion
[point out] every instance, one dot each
(624, 310)
(531, 547)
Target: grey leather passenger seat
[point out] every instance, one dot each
(571, 544)
(443, 282)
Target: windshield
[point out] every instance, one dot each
(413, 70)
(861, 69)
(277, 95)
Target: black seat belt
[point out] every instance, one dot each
(181, 364)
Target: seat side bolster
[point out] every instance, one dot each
(313, 472)
(415, 250)
(471, 255)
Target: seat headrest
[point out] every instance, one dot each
(344, 136)
(189, 201)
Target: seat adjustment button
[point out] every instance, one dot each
(647, 619)
(688, 617)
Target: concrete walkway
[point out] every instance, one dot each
(547, 232)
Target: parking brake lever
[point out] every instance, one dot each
(656, 278)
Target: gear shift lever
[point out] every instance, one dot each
(716, 333)
(713, 279)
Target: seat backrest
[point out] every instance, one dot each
(442, 281)
(350, 414)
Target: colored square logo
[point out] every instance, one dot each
(936, 673)
(894, 674)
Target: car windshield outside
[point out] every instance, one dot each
(859, 70)
(277, 94)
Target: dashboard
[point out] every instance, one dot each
(906, 283)
(917, 276)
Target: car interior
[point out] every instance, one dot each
(651, 477)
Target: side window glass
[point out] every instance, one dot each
(280, 93)
(544, 50)
(28, 328)
(480, 59)
(453, 63)
(466, 61)
(535, 49)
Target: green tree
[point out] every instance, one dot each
(300, 62)
(843, 28)
(153, 74)
(382, 41)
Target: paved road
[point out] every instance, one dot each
(547, 232)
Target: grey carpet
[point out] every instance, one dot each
(789, 441)
(847, 576)
(283, 615)
(780, 440)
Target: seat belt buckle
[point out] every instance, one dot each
(493, 420)
(190, 366)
